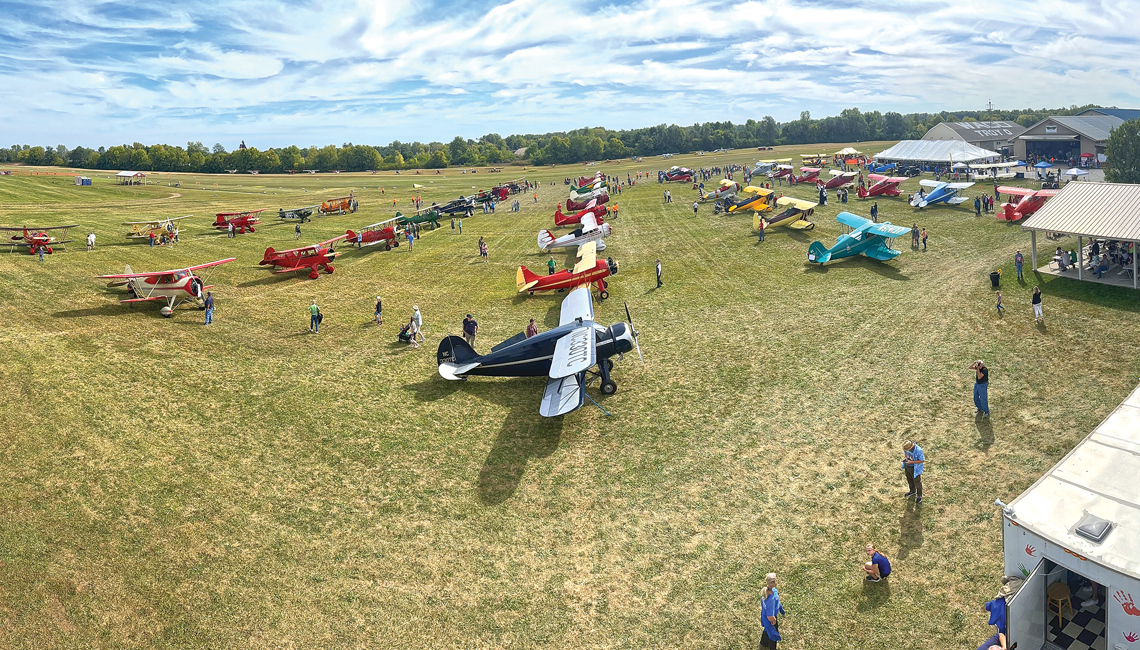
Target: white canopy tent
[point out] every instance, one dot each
(945, 152)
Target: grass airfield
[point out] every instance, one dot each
(251, 485)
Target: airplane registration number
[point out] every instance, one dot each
(579, 347)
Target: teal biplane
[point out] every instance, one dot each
(866, 238)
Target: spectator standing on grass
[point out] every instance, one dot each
(314, 317)
(763, 225)
(209, 308)
(483, 252)
(461, 223)
(379, 311)
(91, 241)
(408, 232)
(1000, 307)
(977, 207)
(878, 567)
(418, 317)
(659, 273)
(695, 206)
(297, 231)
(770, 608)
(470, 329)
(875, 212)
(531, 329)
(1038, 312)
(912, 464)
(1018, 260)
(981, 388)
(924, 239)
(550, 266)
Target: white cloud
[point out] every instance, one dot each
(374, 71)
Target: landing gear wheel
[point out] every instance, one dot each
(387, 246)
(609, 365)
(603, 294)
(608, 387)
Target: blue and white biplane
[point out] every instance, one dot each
(565, 355)
(866, 238)
(939, 193)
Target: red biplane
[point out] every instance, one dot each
(314, 258)
(36, 237)
(377, 233)
(599, 212)
(807, 175)
(884, 186)
(175, 286)
(242, 221)
(588, 271)
(675, 174)
(600, 199)
(838, 179)
(1030, 201)
(782, 171)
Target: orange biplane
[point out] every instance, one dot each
(342, 205)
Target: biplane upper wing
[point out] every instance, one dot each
(155, 222)
(929, 182)
(890, 231)
(577, 304)
(589, 222)
(170, 272)
(959, 186)
(36, 228)
(810, 169)
(1016, 191)
(852, 220)
(588, 257)
(798, 204)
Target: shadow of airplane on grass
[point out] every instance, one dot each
(523, 436)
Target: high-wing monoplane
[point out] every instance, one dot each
(176, 286)
(302, 214)
(143, 229)
(794, 214)
(781, 171)
(592, 230)
(839, 178)
(565, 355)
(36, 237)
(866, 238)
(242, 221)
(1029, 201)
(752, 198)
(940, 193)
(588, 271)
(884, 186)
(314, 258)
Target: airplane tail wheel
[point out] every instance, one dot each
(609, 387)
(603, 294)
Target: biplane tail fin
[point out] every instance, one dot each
(266, 258)
(350, 235)
(525, 279)
(545, 239)
(818, 254)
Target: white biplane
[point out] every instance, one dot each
(590, 231)
(176, 286)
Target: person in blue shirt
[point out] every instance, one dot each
(879, 567)
(913, 461)
(770, 608)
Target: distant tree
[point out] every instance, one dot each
(457, 151)
(594, 148)
(894, 126)
(218, 148)
(615, 149)
(438, 159)
(1123, 154)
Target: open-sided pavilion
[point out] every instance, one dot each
(1103, 212)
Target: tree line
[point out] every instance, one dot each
(580, 145)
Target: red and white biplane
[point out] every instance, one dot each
(36, 237)
(884, 186)
(242, 221)
(807, 175)
(175, 286)
(598, 199)
(1029, 201)
(597, 211)
(838, 179)
(588, 271)
(311, 258)
(377, 233)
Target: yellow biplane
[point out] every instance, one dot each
(754, 198)
(793, 216)
(161, 228)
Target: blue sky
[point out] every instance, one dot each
(278, 73)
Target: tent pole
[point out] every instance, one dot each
(1080, 257)
(1033, 248)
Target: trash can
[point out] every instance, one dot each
(994, 278)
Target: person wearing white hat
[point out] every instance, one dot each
(379, 311)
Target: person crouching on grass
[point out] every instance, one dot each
(878, 567)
